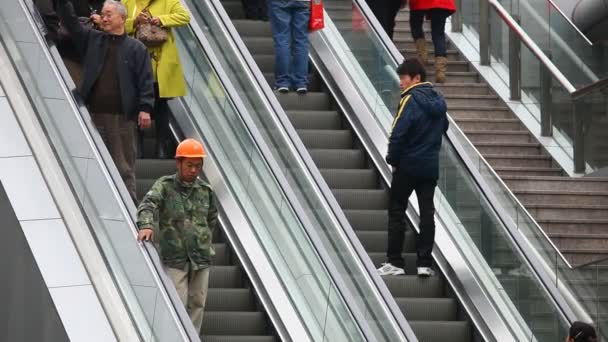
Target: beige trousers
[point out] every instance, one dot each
(192, 289)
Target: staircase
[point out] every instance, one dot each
(428, 304)
(232, 313)
(573, 212)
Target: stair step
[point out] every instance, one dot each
(350, 178)
(325, 138)
(489, 124)
(496, 160)
(509, 148)
(322, 119)
(561, 197)
(583, 256)
(567, 225)
(559, 211)
(464, 88)
(338, 159)
(468, 112)
(508, 137)
(442, 331)
(472, 100)
(580, 241)
(529, 171)
(550, 183)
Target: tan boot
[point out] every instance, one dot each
(423, 55)
(441, 67)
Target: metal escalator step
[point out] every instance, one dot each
(310, 119)
(219, 299)
(429, 309)
(252, 28)
(338, 159)
(453, 331)
(234, 323)
(154, 168)
(365, 219)
(225, 277)
(375, 241)
(414, 286)
(361, 198)
(310, 101)
(325, 138)
(222, 257)
(259, 45)
(209, 338)
(350, 178)
(265, 62)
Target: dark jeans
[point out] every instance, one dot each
(386, 12)
(438, 18)
(401, 189)
(289, 21)
(255, 9)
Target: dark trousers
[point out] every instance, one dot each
(255, 9)
(118, 133)
(401, 189)
(386, 12)
(438, 18)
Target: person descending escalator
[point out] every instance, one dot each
(152, 22)
(581, 332)
(117, 83)
(413, 153)
(437, 11)
(179, 214)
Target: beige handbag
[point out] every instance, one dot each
(150, 35)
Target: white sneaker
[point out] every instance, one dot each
(425, 272)
(389, 269)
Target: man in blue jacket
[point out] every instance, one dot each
(413, 153)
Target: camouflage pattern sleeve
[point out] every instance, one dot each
(212, 215)
(148, 209)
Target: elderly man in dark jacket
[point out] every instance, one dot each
(413, 153)
(117, 82)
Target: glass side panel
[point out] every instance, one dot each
(502, 267)
(142, 292)
(279, 229)
(272, 127)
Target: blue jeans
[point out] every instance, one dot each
(289, 21)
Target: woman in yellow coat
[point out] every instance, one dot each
(166, 64)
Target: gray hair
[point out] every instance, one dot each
(120, 8)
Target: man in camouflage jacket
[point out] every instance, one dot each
(179, 213)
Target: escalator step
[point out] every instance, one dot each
(210, 338)
(378, 258)
(251, 28)
(222, 257)
(322, 119)
(154, 168)
(363, 219)
(219, 299)
(310, 101)
(234, 9)
(225, 277)
(453, 331)
(429, 309)
(234, 323)
(325, 138)
(338, 159)
(376, 241)
(350, 178)
(415, 287)
(362, 199)
(259, 45)
(142, 187)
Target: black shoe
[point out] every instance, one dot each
(302, 91)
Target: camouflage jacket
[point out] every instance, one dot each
(183, 217)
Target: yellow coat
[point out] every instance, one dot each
(166, 64)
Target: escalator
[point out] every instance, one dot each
(431, 309)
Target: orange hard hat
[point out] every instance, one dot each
(190, 148)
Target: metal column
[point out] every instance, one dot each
(515, 63)
(484, 32)
(546, 126)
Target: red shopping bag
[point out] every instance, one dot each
(316, 16)
(357, 19)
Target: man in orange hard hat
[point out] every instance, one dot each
(179, 214)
